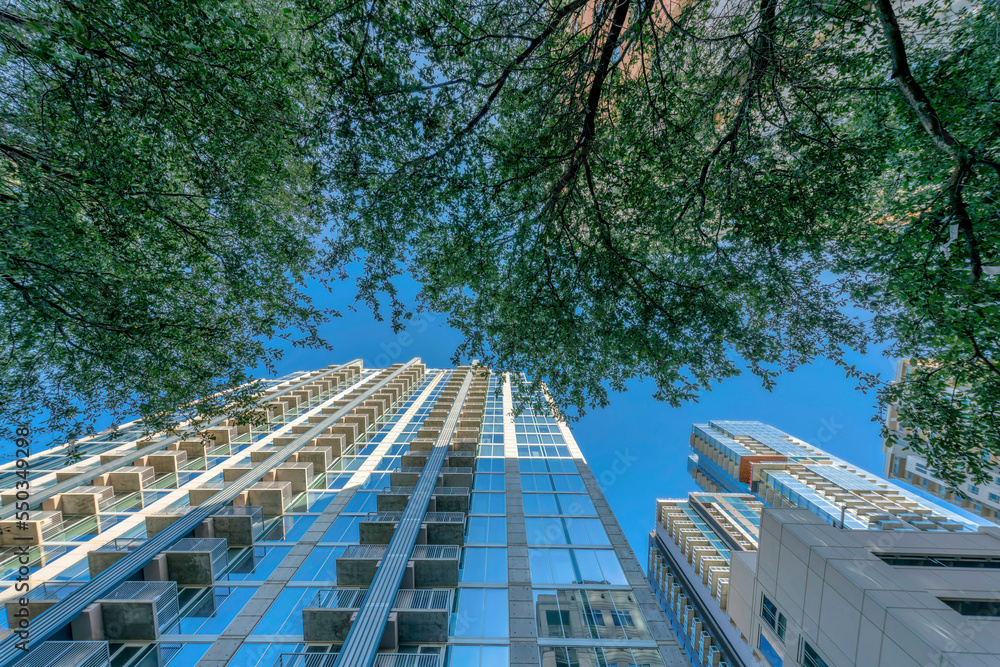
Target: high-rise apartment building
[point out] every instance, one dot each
(911, 467)
(702, 545)
(398, 517)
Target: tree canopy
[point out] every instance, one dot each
(594, 191)
(158, 199)
(597, 191)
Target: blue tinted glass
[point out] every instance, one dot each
(768, 651)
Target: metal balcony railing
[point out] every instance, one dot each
(435, 551)
(339, 598)
(122, 544)
(423, 599)
(365, 551)
(381, 660)
(429, 517)
(172, 511)
(438, 491)
(420, 552)
(444, 517)
(67, 654)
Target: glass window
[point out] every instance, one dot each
(810, 658)
(344, 529)
(483, 565)
(211, 613)
(488, 482)
(289, 529)
(480, 612)
(256, 563)
(486, 530)
(565, 504)
(581, 614)
(478, 656)
(562, 656)
(768, 651)
(982, 608)
(774, 618)
(488, 503)
(575, 566)
(550, 530)
(284, 616)
(490, 465)
(321, 565)
(361, 503)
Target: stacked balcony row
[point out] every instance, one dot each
(422, 607)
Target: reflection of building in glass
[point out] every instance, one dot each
(911, 467)
(397, 517)
(707, 551)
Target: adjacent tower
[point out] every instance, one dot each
(398, 517)
(744, 585)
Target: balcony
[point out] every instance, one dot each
(417, 616)
(166, 462)
(430, 566)
(160, 521)
(452, 459)
(108, 554)
(139, 610)
(67, 654)
(381, 660)
(449, 477)
(443, 499)
(239, 526)
(86, 500)
(39, 599)
(196, 561)
(272, 497)
(129, 479)
(436, 528)
(38, 527)
(299, 475)
(204, 493)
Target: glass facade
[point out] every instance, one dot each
(272, 545)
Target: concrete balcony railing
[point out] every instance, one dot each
(239, 526)
(196, 561)
(39, 599)
(108, 554)
(417, 616)
(436, 528)
(430, 566)
(139, 610)
(452, 459)
(160, 521)
(38, 527)
(443, 499)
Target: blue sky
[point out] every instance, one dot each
(637, 447)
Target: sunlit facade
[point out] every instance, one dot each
(716, 573)
(398, 517)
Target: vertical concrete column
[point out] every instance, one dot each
(521, 610)
(239, 628)
(362, 642)
(656, 618)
